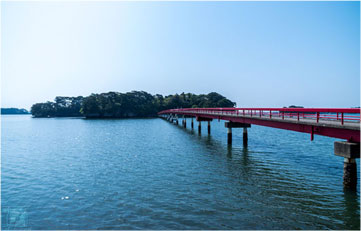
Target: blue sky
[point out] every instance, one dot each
(259, 54)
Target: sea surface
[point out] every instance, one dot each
(71, 173)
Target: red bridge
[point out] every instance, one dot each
(341, 123)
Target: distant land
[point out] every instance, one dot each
(125, 105)
(14, 111)
(294, 106)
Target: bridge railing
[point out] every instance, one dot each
(331, 114)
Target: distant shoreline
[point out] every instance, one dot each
(14, 111)
(93, 118)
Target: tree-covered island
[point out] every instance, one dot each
(125, 105)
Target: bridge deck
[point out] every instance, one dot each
(353, 125)
(300, 120)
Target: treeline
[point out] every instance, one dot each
(125, 105)
(62, 107)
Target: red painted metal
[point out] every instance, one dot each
(349, 115)
(326, 110)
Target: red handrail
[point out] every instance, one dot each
(308, 113)
(329, 110)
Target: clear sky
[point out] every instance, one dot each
(259, 54)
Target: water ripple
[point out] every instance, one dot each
(150, 174)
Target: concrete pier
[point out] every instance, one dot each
(349, 173)
(184, 123)
(209, 127)
(349, 151)
(192, 125)
(231, 125)
(199, 128)
(229, 136)
(245, 137)
(199, 119)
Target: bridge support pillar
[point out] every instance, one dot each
(209, 127)
(199, 128)
(192, 125)
(231, 125)
(349, 173)
(350, 151)
(245, 137)
(184, 123)
(229, 136)
(199, 119)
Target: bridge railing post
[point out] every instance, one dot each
(342, 118)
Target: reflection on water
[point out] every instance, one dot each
(352, 209)
(150, 174)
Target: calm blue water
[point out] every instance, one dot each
(150, 174)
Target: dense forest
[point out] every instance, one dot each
(13, 111)
(62, 107)
(125, 105)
